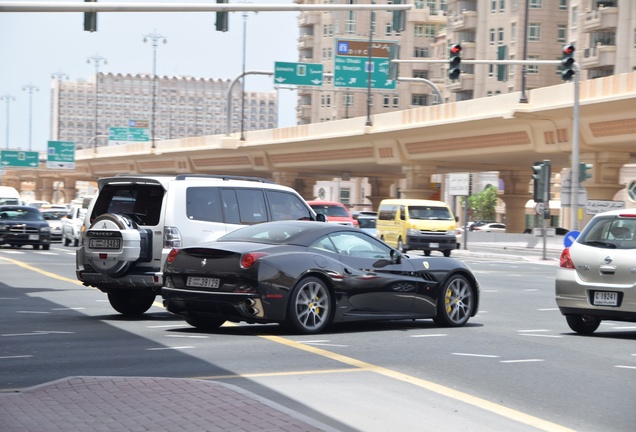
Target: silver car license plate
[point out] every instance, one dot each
(605, 298)
(202, 282)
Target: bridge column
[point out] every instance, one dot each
(44, 189)
(69, 192)
(291, 179)
(604, 183)
(418, 182)
(380, 189)
(516, 195)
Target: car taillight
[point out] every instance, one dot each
(172, 255)
(171, 237)
(249, 259)
(566, 261)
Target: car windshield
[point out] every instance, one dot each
(265, 233)
(429, 212)
(23, 214)
(54, 215)
(610, 232)
(366, 222)
(330, 210)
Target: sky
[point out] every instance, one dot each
(36, 45)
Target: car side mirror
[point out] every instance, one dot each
(321, 217)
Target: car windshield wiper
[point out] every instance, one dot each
(601, 243)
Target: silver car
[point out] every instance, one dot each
(596, 279)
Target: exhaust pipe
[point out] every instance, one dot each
(252, 311)
(249, 302)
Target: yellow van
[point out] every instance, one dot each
(410, 224)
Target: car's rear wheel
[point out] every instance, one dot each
(46, 247)
(310, 306)
(134, 302)
(206, 324)
(36, 247)
(447, 253)
(427, 253)
(455, 303)
(583, 324)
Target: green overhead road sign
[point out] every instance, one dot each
(302, 74)
(60, 154)
(127, 134)
(118, 134)
(352, 64)
(20, 159)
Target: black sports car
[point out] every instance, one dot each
(308, 274)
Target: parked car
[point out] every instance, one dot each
(24, 225)
(135, 220)
(490, 227)
(54, 217)
(366, 221)
(72, 225)
(473, 225)
(307, 275)
(335, 212)
(596, 279)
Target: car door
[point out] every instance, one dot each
(375, 282)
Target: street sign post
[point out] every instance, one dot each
(19, 159)
(302, 74)
(60, 154)
(352, 65)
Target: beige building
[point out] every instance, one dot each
(603, 33)
(183, 107)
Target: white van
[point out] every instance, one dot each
(9, 196)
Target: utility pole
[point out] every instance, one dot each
(8, 98)
(30, 87)
(155, 38)
(97, 60)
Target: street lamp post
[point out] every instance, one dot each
(155, 38)
(8, 98)
(30, 87)
(97, 60)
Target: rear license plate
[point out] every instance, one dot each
(605, 298)
(202, 282)
(100, 243)
(433, 245)
(34, 237)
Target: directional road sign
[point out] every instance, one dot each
(18, 158)
(60, 154)
(126, 134)
(302, 74)
(352, 64)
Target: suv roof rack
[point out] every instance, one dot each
(223, 177)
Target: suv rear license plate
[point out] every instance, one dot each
(605, 298)
(202, 282)
(100, 243)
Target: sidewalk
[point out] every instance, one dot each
(118, 404)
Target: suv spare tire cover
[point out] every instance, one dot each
(107, 258)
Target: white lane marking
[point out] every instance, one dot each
(169, 348)
(531, 290)
(521, 361)
(33, 312)
(536, 330)
(15, 357)
(187, 336)
(625, 367)
(548, 309)
(476, 355)
(428, 335)
(540, 335)
(324, 344)
(72, 308)
(168, 326)
(36, 333)
(626, 328)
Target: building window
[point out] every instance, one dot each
(388, 29)
(534, 32)
(500, 32)
(492, 37)
(493, 6)
(432, 6)
(575, 17)
(386, 101)
(563, 4)
(513, 32)
(420, 52)
(347, 99)
(532, 68)
(325, 100)
(491, 70)
(419, 4)
(562, 32)
(502, 6)
(430, 30)
(418, 30)
(420, 74)
(535, 4)
(350, 23)
(419, 99)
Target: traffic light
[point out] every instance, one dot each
(567, 62)
(583, 172)
(541, 176)
(222, 23)
(454, 62)
(90, 19)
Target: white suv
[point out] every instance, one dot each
(135, 220)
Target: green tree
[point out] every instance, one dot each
(483, 205)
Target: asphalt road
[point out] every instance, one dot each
(515, 367)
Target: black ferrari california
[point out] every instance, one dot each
(307, 275)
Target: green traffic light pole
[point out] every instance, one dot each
(575, 116)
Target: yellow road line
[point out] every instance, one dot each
(501, 410)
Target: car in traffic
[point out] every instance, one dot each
(24, 225)
(307, 275)
(366, 220)
(72, 225)
(596, 279)
(54, 217)
(473, 225)
(489, 227)
(335, 212)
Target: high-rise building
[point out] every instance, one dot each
(183, 107)
(603, 33)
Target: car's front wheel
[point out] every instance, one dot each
(131, 302)
(583, 324)
(310, 306)
(455, 303)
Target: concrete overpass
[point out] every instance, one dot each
(490, 134)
